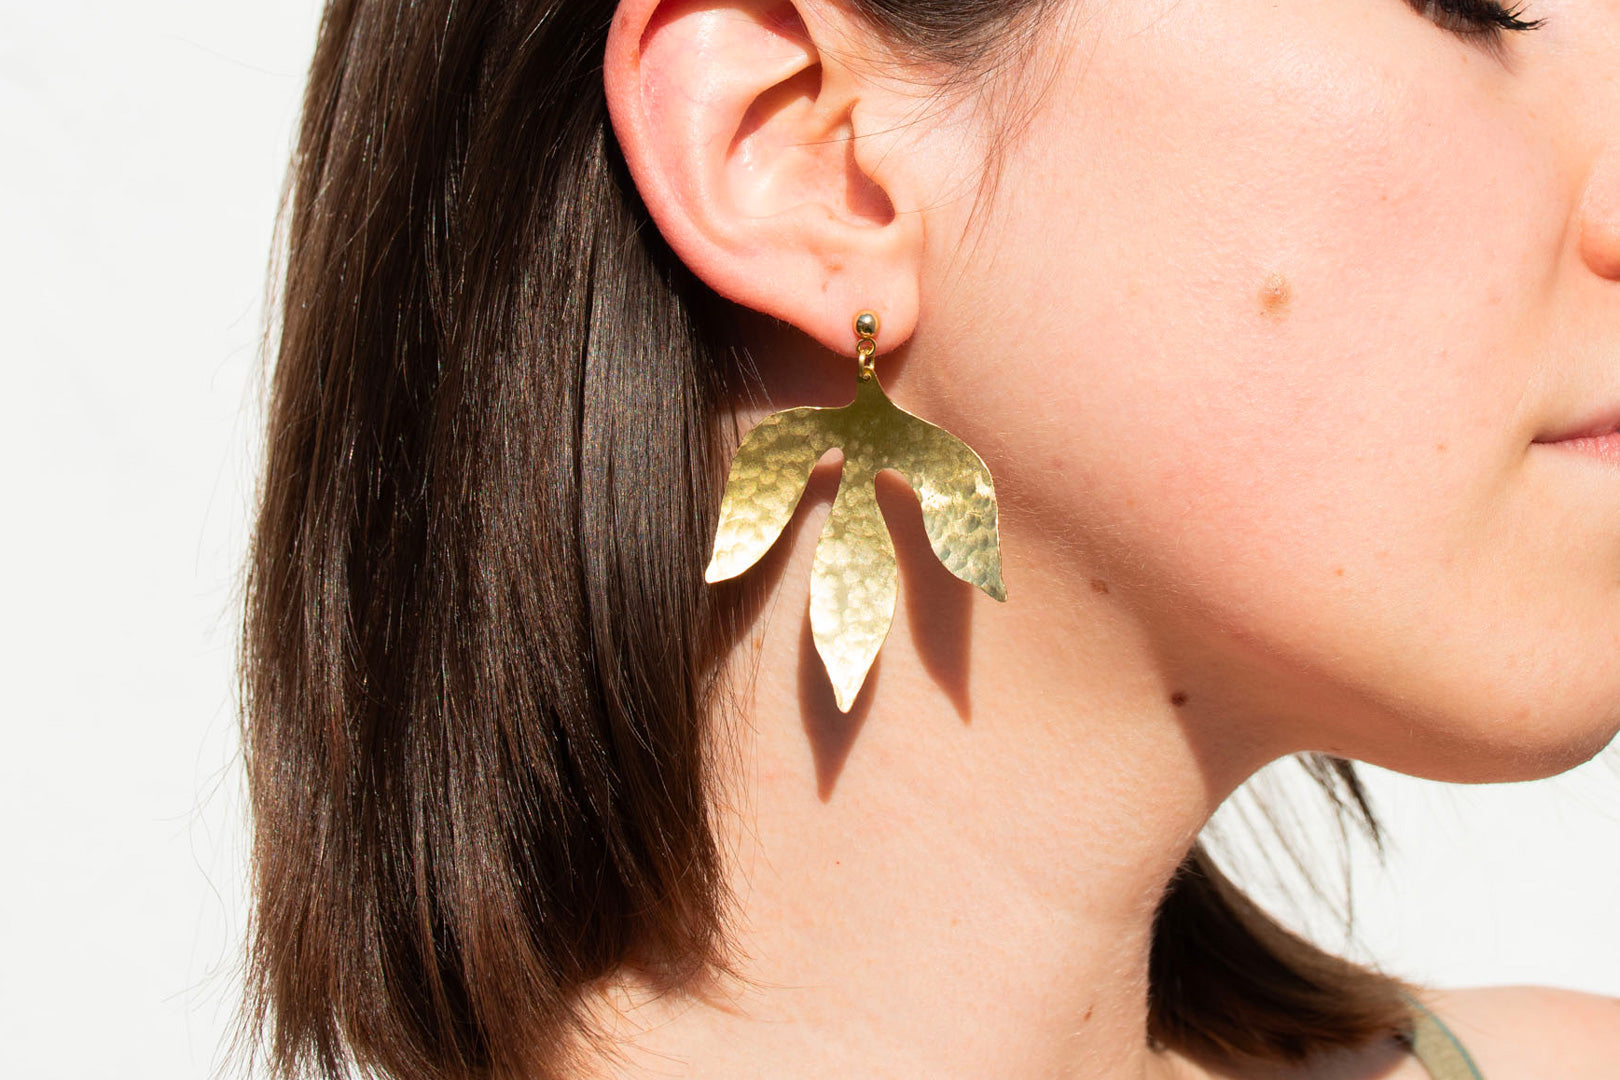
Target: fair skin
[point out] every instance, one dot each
(1273, 332)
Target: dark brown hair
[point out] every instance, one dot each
(479, 654)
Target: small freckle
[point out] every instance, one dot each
(1178, 699)
(1276, 295)
(1098, 585)
(1338, 571)
(1440, 446)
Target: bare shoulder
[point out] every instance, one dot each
(1534, 1032)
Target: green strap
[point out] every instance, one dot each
(1440, 1051)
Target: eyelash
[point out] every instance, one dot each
(1487, 19)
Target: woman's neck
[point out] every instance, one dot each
(959, 877)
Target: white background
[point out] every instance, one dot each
(142, 148)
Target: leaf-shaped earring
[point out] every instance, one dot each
(853, 583)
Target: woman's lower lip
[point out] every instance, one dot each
(1605, 448)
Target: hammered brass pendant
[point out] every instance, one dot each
(853, 583)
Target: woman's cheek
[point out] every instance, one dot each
(1276, 352)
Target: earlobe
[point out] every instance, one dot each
(742, 138)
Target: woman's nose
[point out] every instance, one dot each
(1600, 213)
(1598, 104)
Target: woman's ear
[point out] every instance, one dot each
(766, 163)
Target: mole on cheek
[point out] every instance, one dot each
(1275, 295)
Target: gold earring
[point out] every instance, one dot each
(853, 583)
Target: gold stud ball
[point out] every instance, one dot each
(866, 325)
